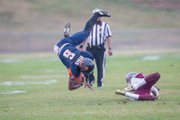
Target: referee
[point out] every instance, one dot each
(99, 36)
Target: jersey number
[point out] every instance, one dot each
(68, 54)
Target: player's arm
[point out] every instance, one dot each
(87, 84)
(109, 43)
(76, 82)
(73, 84)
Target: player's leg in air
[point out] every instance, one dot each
(152, 79)
(146, 84)
(80, 37)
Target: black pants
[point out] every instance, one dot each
(98, 54)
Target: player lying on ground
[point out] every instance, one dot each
(79, 63)
(140, 87)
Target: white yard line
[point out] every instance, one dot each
(9, 61)
(151, 58)
(43, 76)
(46, 82)
(12, 92)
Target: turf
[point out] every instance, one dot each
(54, 101)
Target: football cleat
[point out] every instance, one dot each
(102, 13)
(120, 92)
(67, 30)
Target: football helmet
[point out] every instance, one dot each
(87, 63)
(130, 75)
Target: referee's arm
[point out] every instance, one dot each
(109, 43)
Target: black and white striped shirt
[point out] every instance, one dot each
(99, 34)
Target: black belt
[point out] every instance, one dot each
(96, 47)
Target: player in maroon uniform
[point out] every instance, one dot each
(140, 87)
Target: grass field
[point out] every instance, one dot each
(34, 87)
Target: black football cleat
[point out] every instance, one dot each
(102, 13)
(67, 30)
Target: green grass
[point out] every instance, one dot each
(55, 102)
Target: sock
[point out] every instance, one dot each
(132, 95)
(138, 85)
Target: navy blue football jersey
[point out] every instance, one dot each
(71, 56)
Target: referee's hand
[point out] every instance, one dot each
(110, 53)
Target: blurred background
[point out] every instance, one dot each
(137, 25)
